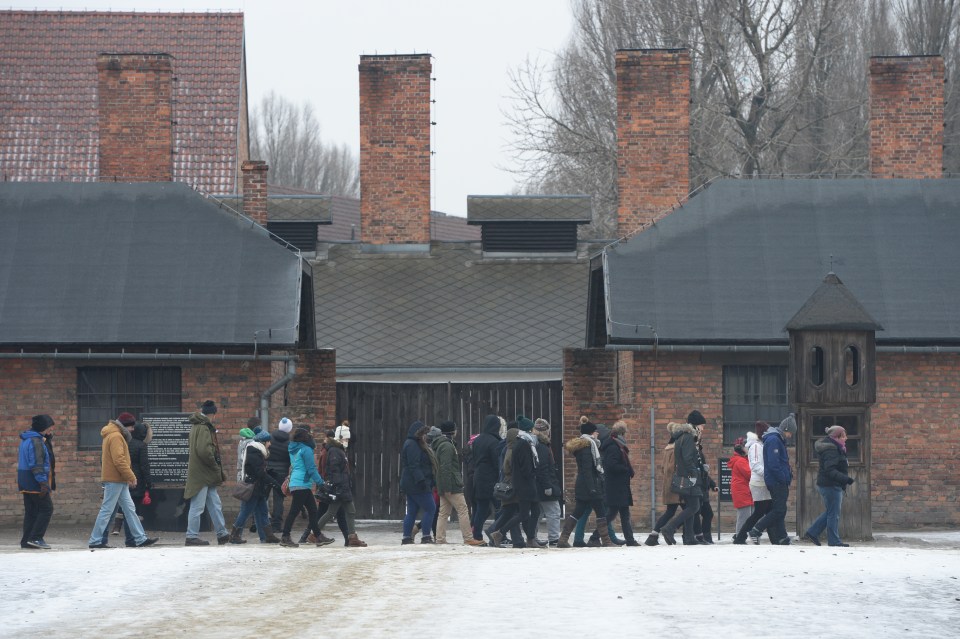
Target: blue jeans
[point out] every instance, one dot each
(114, 493)
(207, 499)
(830, 519)
(415, 502)
(773, 521)
(256, 506)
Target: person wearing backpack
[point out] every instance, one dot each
(33, 481)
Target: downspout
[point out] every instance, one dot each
(265, 397)
(653, 470)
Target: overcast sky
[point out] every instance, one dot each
(310, 51)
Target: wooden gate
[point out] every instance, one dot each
(381, 414)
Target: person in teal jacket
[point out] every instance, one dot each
(303, 475)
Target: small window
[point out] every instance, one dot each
(105, 392)
(816, 366)
(851, 365)
(751, 394)
(851, 423)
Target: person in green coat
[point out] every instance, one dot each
(204, 474)
(450, 486)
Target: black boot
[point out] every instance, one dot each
(653, 539)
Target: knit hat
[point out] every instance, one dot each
(524, 424)
(761, 427)
(587, 427)
(253, 423)
(542, 426)
(208, 408)
(246, 433)
(285, 425)
(40, 423)
(126, 419)
(448, 427)
(789, 424)
(836, 429)
(332, 434)
(695, 418)
(262, 436)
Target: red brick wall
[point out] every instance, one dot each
(653, 134)
(254, 178)
(395, 149)
(312, 396)
(906, 117)
(135, 118)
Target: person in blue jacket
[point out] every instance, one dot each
(33, 481)
(303, 475)
(778, 477)
(418, 467)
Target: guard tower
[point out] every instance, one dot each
(832, 377)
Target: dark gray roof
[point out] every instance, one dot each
(448, 308)
(289, 208)
(526, 208)
(832, 307)
(736, 262)
(155, 263)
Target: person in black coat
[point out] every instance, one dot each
(549, 486)
(832, 481)
(520, 469)
(278, 465)
(486, 463)
(339, 484)
(618, 471)
(588, 488)
(417, 480)
(254, 457)
(686, 465)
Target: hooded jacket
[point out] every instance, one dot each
(547, 476)
(486, 458)
(303, 467)
(115, 457)
(686, 460)
(523, 469)
(667, 466)
(617, 472)
(740, 481)
(204, 465)
(139, 459)
(416, 475)
(834, 468)
(278, 457)
(255, 470)
(337, 473)
(758, 487)
(776, 459)
(33, 462)
(589, 483)
(449, 470)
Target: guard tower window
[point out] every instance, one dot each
(851, 365)
(816, 366)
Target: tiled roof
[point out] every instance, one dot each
(514, 208)
(448, 308)
(289, 208)
(48, 91)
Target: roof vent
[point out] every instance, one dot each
(529, 223)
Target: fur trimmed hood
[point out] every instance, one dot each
(575, 444)
(677, 429)
(542, 437)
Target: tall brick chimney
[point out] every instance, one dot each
(906, 116)
(653, 134)
(135, 116)
(254, 185)
(395, 149)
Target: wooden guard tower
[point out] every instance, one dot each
(832, 380)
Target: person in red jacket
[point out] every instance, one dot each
(740, 486)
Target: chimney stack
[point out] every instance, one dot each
(135, 116)
(906, 116)
(254, 184)
(653, 134)
(395, 149)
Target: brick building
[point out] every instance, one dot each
(690, 312)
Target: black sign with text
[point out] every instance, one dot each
(169, 450)
(725, 478)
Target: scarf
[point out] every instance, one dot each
(840, 445)
(530, 439)
(595, 449)
(622, 444)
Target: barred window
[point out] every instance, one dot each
(752, 393)
(105, 392)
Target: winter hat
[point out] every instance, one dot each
(253, 424)
(40, 423)
(285, 425)
(835, 430)
(542, 426)
(587, 427)
(209, 408)
(789, 424)
(761, 428)
(448, 427)
(126, 419)
(262, 436)
(695, 418)
(332, 434)
(432, 434)
(524, 424)
(246, 433)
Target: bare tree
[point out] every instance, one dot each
(288, 138)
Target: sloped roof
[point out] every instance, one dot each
(448, 309)
(529, 208)
(832, 307)
(736, 262)
(151, 263)
(48, 91)
(289, 208)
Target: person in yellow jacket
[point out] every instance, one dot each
(118, 478)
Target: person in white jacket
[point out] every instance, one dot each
(758, 489)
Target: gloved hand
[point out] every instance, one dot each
(849, 480)
(548, 492)
(44, 489)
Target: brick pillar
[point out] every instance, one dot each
(135, 116)
(312, 395)
(906, 116)
(653, 134)
(254, 184)
(395, 149)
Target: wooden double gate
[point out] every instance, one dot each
(381, 414)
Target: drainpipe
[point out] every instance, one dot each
(280, 383)
(653, 471)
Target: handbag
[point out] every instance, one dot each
(243, 491)
(285, 487)
(503, 490)
(683, 485)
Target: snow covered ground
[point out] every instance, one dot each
(902, 585)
